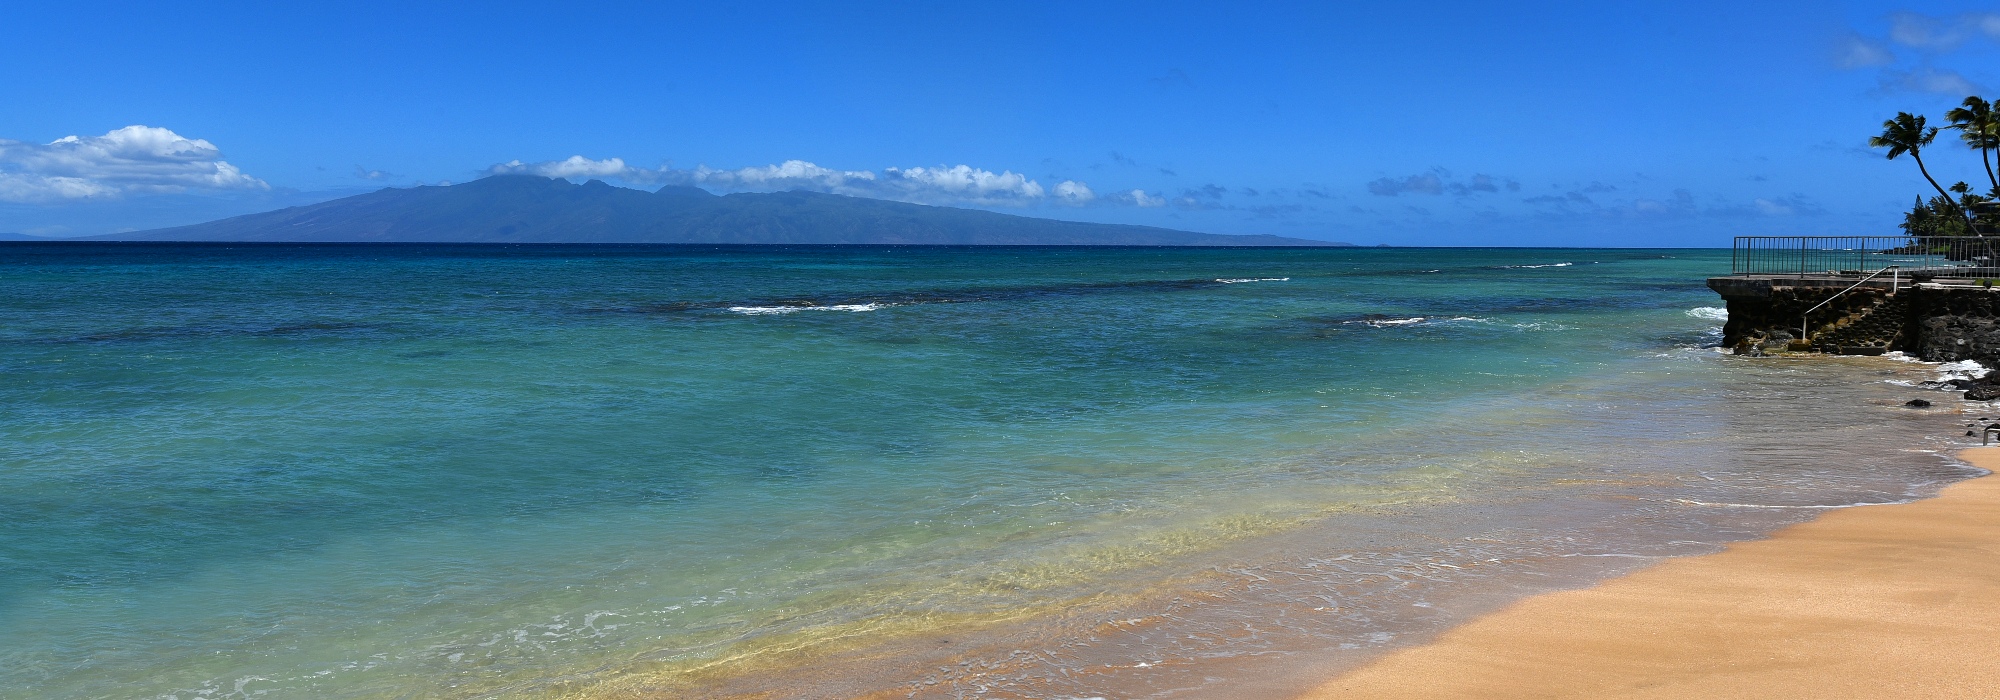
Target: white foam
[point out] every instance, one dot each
(765, 310)
(1240, 280)
(1947, 371)
(1709, 313)
(1529, 267)
(1836, 506)
(1969, 368)
(1382, 323)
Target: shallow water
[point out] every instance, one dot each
(447, 471)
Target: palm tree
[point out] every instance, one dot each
(1907, 134)
(1979, 130)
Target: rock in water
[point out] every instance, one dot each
(1983, 392)
(1917, 403)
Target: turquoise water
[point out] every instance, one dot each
(344, 471)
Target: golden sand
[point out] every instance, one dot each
(1893, 601)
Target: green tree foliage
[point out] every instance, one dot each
(1979, 128)
(1938, 217)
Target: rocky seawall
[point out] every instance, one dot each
(1933, 321)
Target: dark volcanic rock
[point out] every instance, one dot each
(1951, 338)
(1982, 392)
(1917, 403)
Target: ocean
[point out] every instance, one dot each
(455, 471)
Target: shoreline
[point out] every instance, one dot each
(1875, 601)
(1132, 646)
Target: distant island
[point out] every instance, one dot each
(533, 209)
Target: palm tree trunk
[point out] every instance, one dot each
(1927, 176)
(1989, 167)
(1946, 195)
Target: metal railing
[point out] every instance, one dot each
(1855, 256)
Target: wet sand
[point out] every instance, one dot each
(1895, 601)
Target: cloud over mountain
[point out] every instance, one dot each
(957, 184)
(128, 160)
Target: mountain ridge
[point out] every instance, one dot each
(532, 209)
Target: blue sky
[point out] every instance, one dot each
(1674, 124)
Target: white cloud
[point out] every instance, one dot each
(791, 174)
(1792, 205)
(1771, 208)
(1935, 80)
(956, 184)
(1942, 33)
(968, 182)
(1140, 198)
(1855, 52)
(573, 166)
(129, 160)
(1422, 183)
(1438, 181)
(1074, 192)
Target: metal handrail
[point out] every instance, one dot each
(1850, 256)
(1895, 282)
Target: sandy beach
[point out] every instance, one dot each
(1882, 601)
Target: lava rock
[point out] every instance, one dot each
(1982, 392)
(1949, 338)
(1917, 403)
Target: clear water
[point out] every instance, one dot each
(354, 471)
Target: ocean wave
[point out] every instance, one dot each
(1530, 267)
(1967, 367)
(1387, 322)
(765, 310)
(1240, 280)
(1709, 313)
(948, 295)
(1947, 371)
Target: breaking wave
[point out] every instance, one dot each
(763, 310)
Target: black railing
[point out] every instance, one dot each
(1855, 256)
